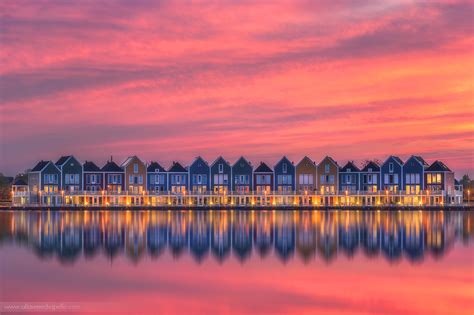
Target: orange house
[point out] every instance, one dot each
(328, 181)
(135, 175)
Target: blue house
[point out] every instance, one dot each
(71, 173)
(199, 176)
(177, 178)
(413, 174)
(391, 174)
(44, 179)
(221, 174)
(242, 171)
(114, 177)
(370, 177)
(263, 179)
(156, 178)
(93, 177)
(284, 176)
(349, 178)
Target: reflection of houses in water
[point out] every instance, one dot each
(284, 234)
(114, 233)
(156, 232)
(413, 235)
(135, 237)
(242, 234)
(178, 232)
(327, 234)
(92, 233)
(306, 235)
(71, 236)
(263, 232)
(391, 236)
(370, 234)
(220, 234)
(396, 235)
(199, 239)
(348, 232)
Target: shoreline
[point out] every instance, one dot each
(239, 208)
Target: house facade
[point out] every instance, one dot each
(413, 174)
(199, 177)
(135, 175)
(177, 179)
(221, 175)
(43, 180)
(370, 177)
(93, 177)
(328, 172)
(305, 176)
(284, 176)
(242, 172)
(71, 173)
(263, 179)
(391, 173)
(114, 177)
(438, 177)
(349, 178)
(156, 178)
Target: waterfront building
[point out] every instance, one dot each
(391, 174)
(71, 173)
(349, 178)
(93, 177)
(114, 177)
(413, 174)
(44, 182)
(177, 179)
(263, 179)
(370, 177)
(284, 176)
(19, 191)
(156, 178)
(305, 176)
(438, 178)
(328, 171)
(199, 176)
(242, 171)
(221, 174)
(135, 175)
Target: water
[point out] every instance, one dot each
(266, 262)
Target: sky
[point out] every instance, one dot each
(169, 81)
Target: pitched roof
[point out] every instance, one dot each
(40, 166)
(112, 167)
(438, 166)
(374, 166)
(350, 166)
(129, 159)
(199, 158)
(421, 160)
(396, 158)
(330, 159)
(63, 159)
(177, 168)
(20, 182)
(220, 158)
(242, 159)
(154, 166)
(306, 158)
(284, 158)
(90, 166)
(263, 168)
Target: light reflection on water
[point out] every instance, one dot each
(244, 234)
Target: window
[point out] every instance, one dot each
(221, 168)
(284, 168)
(135, 168)
(140, 179)
(326, 168)
(390, 167)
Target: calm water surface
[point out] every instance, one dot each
(266, 262)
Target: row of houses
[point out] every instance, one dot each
(327, 177)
